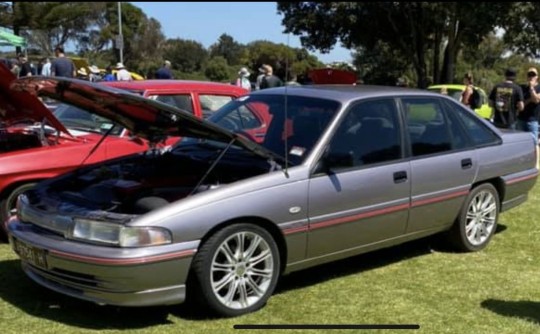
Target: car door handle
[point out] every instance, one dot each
(400, 177)
(466, 163)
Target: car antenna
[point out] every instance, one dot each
(97, 144)
(286, 170)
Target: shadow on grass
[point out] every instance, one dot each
(500, 228)
(523, 309)
(357, 264)
(20, 291)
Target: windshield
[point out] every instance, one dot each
(291, 131)
(452, 92)
(77, 119)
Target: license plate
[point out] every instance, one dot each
(34, 256)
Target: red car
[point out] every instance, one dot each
(36, 144)
(200, 98)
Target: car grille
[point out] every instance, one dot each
(67, 278)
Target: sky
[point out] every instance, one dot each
(246, 22)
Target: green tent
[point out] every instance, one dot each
(7, 38)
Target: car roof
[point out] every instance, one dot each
(142, 85)
(451, 86)
(345, 93)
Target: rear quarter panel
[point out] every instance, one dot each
(513, 163)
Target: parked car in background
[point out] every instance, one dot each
(342, 170)
(36, 144)
(201, 98)
(455, 91)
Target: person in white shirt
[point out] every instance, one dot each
(46, 69)
(122, 74)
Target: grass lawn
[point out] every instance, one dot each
(496, 290)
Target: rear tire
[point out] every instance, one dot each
(8, 206)
(477, 220)
(235, 271)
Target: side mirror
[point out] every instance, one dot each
(332, 160)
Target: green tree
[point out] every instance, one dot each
(418, 30)
(281, 57)
(522, 28)
(217, 69)
(185, 55)
(48, 24)
(227, 48)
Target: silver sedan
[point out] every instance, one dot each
(218, 218)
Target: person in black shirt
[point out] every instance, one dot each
(506, 99)
(270, 80)
(26, 70)
(528, 118)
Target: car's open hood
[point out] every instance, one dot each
(143, 117)
(19, 106)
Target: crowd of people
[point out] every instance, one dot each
(265, 79)
(514, 106)
(62, 66)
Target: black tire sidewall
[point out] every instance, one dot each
(203, 262)
(4, 205)
(464, 242)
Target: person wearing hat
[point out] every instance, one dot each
(82, 74)
(95, 74)
(122, 74)
(243, 79)
(270, 80)
(506, 100)
(164, 72)
(259, 78)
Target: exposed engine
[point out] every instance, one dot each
(142, 184)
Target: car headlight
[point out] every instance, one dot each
(119, 235)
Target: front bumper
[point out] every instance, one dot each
(105, 275)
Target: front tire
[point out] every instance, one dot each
(477, 220)
(8, 206)
(236, 270)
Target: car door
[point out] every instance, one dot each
(443, 162)
(362, 195)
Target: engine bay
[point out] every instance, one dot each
(137, 185)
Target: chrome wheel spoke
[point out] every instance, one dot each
(226, 280)
(222, 267)
(265, 273)
(253, 286)
(469, 227)
(229, 297)
(226, 250)
(264, 255)
(252, 248)
(243, 296)
(240, 241)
